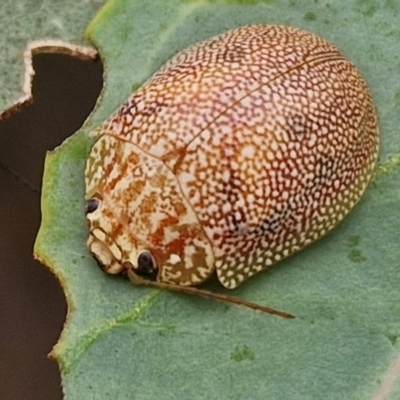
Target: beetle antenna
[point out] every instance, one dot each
(137, 280)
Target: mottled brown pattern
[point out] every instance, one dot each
(266, 136)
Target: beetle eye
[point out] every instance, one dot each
(146, 265)
(91, 206)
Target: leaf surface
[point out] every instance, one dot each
(122, 341)
(24, 21)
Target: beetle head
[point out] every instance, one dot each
(138, 218)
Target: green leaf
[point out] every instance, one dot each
(122, 341)
(24, 21)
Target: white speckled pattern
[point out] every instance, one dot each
(269, 137)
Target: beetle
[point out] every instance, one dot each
(239, 152)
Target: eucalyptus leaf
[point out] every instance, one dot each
(25, 21)
(126, 342)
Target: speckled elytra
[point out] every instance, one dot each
(240, 151)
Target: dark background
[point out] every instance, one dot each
(32, 305)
